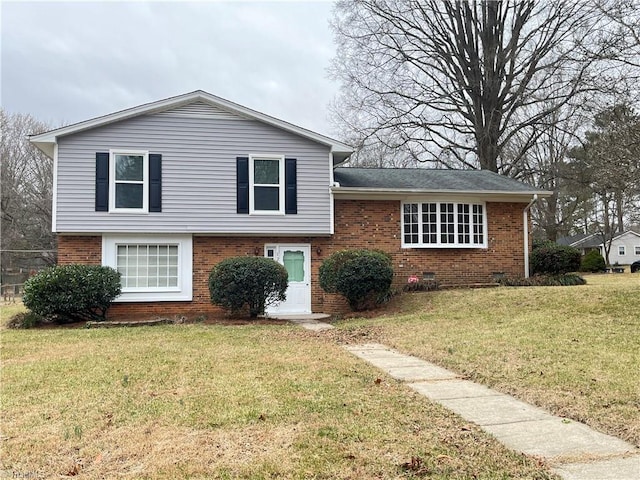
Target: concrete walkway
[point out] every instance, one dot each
(309, 321)
(574, 450)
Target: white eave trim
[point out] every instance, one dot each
(44, 141)
(365, 192)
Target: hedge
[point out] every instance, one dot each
(71, 293)
(253, 282)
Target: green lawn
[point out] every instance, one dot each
(202, 401)
(572, 350)
(274, 401)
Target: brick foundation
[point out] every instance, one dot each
(358, 224)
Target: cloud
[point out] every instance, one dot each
(66, 62)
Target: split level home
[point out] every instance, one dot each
(164, 191)
(625, 246)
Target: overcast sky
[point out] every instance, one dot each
(65, 62)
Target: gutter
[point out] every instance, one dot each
(525, 215)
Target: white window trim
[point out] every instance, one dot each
(438, 244)
(184, 290)
(281, 185)
(112, 181)
(636, 250)
(622, 250)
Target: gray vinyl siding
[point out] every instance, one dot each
(199, 146)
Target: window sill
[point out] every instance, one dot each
(159, 296)
(129, 212)
(266, 213)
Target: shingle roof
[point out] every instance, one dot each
(573, 239)
(431, 180)
(593, 239)
(590, 241)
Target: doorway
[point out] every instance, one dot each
(296, 258)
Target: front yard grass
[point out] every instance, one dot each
(572, 350)
(200, 401)
(9, 309)
(273, 401)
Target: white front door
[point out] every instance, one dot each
(297, 260)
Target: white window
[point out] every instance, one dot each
(129, 181)
(144, 266)
(266, 184)
(443, 225)
(637, 249)
(621, 250)
(151, 267)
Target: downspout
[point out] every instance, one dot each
(525, 215)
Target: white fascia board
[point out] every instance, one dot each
(45, 141)
(48, 148)
(54, 198)
(331, 201)
(390, 193)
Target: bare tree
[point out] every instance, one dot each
(26, 192)
(546, 166)
(453, 82)
(377, 154)
(624, 18)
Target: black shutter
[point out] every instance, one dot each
(291, 189)
(242, 182)
(102, 181)
(155, 182)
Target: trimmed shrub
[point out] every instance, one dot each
(330, 269)
(554, 259)
(256, 282)
(71, 293)
(565, 280)
(593, 262)
(363, 277)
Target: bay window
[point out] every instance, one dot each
(443, 225)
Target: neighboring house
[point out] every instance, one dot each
(625, 246)
(164, 191)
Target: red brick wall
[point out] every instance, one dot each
(207, 252)
(377, 224)
(86, 250)
(358, 224)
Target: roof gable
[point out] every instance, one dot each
(198, 99)
(589, 241)
(199, 109)
(628, 233)
(595, 239)
(573, 239)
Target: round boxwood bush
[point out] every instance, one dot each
(363, 277)
(71, 293)
(593, 262)
(553, 259)
(256, 282)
